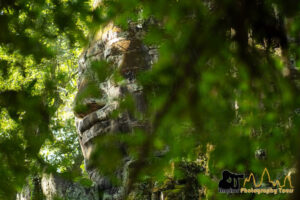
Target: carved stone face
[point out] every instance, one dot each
(97, 99)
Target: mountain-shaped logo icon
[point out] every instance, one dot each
(275, 183)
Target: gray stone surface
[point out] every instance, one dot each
(127, 55)
(55, 187)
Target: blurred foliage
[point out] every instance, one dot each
(227, 76)
(38, 67)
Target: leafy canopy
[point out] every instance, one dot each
(227, 76)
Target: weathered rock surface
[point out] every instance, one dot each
(51, 187)
(55, 186)
(125, 54)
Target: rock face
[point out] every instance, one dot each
(124, 54)
(54, 186)
(50, 187)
